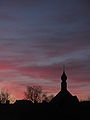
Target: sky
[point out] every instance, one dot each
(38, 37)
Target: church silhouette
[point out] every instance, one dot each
(64, 97)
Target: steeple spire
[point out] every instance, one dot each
(63, 78)
(63, 68)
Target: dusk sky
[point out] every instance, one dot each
(38, 37)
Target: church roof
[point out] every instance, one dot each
(62, 96)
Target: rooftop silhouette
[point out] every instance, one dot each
(63, 106)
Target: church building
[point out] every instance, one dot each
(64, 97)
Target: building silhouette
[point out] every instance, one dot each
(64, 97)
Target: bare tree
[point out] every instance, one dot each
(50, 97)
(11, 99)
(4, 96)
(33, 93)
(46, 98)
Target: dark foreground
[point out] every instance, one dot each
(29, 111)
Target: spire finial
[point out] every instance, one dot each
(63, 68)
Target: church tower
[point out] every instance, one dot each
(64, 97)
(64, 83)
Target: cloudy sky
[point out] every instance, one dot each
(38, 37)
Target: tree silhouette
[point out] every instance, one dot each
(4, 96)
(46, 98)
(33, 93)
